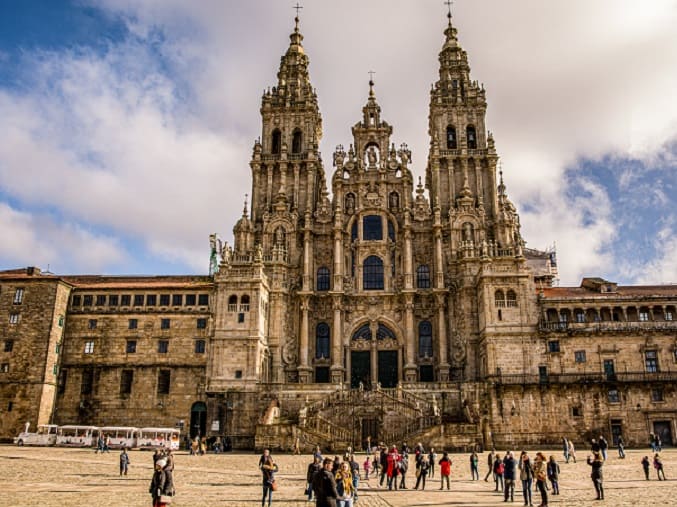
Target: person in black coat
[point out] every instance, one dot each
(324, 485)
(313, 468)
(596, 463)
(509, 474)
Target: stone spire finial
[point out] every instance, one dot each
(244, 209)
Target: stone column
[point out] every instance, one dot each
(307, 252)
(408, 259)
(304, 367)
(443, 367)
(269, 189)
(336, 343)
(338, 254)
(373, 326)
(410, 337)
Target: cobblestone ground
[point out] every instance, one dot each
(49, 477)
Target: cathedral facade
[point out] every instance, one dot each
(394, 309)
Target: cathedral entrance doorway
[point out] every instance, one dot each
(370, 428)
(360, 371)
(387, 368)
(198, 420)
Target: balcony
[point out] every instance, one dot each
(607, 326)
(583, 378)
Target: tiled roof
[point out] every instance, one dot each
(622, 291)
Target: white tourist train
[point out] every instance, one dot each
(87, 436)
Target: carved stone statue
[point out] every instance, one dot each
(272, 414)
(372, 156)
(303, 413)
(467, 232)
(436, 409)
(394, 200)
(350, 203)
(279, 236)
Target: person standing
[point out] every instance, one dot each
(509, 468)
(383, 463)
(344, 486)
(652, 442)
(658, 465)
(645, 465)
(541, 475)
(393, 468)
(355, 470)
(297, 446)
(572, 451)
(124, 461)
(432, 459)
(445, 470)
(474, 464)
(526, 476)
(324, 485)
(268, 469)
(603, 446)
(553, 475)
(621, 447)
(490, 462)
(403, 469)
(313, 468)
(565, 449)
(366, 466)
(158, 483)
(499, 469)
(422, 473)
(596, 475)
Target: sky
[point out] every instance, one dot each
(128, 125)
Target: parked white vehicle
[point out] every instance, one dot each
(77, 436)
(121, 437)
(158, 438)
(46, 435)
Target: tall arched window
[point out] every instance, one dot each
(451, 138)
(423, 276)
(425, 339)
(471, 137)
(322, 341)
(323, 281)
(296, 141)
(511, 298)
(499, 298)
(276, 142)
(372, 273)
(244, 303)
(232, 303)
(372, 228)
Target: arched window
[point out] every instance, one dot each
(451, 138)
(372, 273)
(276, 142)
(244, 303)
(425, 339)
(384, 332)
(363, 333)
(323, 282)
(391, 231)
(423, 276)
(232, 303)
(511, 298)
(322, 341)
(296, 141)
(471, 137)
(372, 228)
(499, 298)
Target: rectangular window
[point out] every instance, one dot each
(9, 345)
(372, 228)
(18, 296)
(190, 299)
(164, 323)
(202, 323)
(163, 346)
(613, 396)
(57, 348)
(651, 361)
(240, 318)
(643, 316)
(92, 324)
(579, 356)
(163, 381)
(577, 411)
(87, 300)
(668, 315)
(89, 347)
(77, 300)
(657, 394)
(125, 300)
(13, 318)
(151, 300)
(126, 380)
(100, 300)
(133, 324)
(425, 373)
(138, 299)
(4, 368)
(55, 369)
(580, 317)
(177, 299)
(322, 375)
(61, 382)
(199, 346)
(553, 346)
(238, 374)
(131, 347)
(113, 300)
(164, 299)
(87, 381)
(543, 374)
(203, 300)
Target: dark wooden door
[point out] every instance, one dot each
(360, 368)
(663, 430)
(387, 368)
(370, 428)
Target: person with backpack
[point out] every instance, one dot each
(313, 468)
(553, 475)
(526, 476)
(445, 470)
(646, 465)
(499, 468)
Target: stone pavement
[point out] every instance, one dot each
(50, 477)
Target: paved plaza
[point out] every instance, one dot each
(47, 477)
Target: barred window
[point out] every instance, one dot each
(372, 228)
(323, 279)
(200, 346)
(579, 356)
(425, 339)
(163, 346)
(322, 341)
(163, 381)
(373, 273)
(423, 276)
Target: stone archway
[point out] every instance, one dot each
(375, 356)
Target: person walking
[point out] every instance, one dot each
(490, 462)
(572, 451)
(499, 469)
(422, 473)
(268, 469)
(565, 449)
(621, 447)
(383, 460)
(553, 475)
(344, 486)
(526, 476)
(313, 468)
(646, 464)
(366, 466)
(124, 461)
(658, 465)
(355, 470)
(158, 483)
(445, 470)
(596, 463)
(509, 469)
(652, 442)
(403, 469)
(392, 469)
(541, 475)
(474, 467)
(324, 485)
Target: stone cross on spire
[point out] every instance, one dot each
(449, 3)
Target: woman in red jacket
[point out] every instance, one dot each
(445, 469)
(393, 468)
